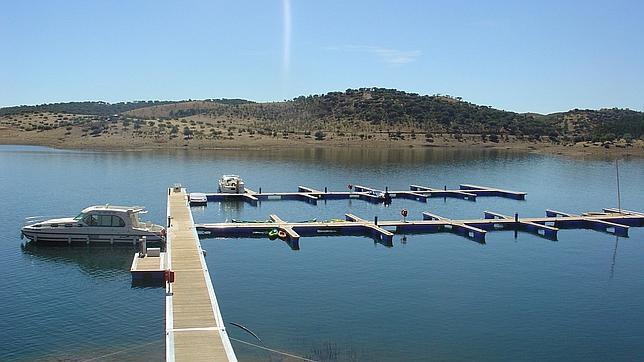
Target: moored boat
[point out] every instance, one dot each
(102, 223)
(231, 184)
(197, 199)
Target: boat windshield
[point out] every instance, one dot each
(136, 222)
(79, 217)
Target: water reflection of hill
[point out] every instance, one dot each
(357, 156)
(94, 260)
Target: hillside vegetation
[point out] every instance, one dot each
(392, 110)
(354, 115)
(84, 108)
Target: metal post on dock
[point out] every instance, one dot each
(386, 188)
(516, 217)
(260, 190)
(143, 246)
(375, 220)
(619, 199)
(445, 188)
(325, 190)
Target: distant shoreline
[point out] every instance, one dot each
(366, 118)
(125, 143)
(370, 118)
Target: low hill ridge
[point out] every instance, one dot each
(387, 109)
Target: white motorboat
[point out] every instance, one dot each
(104, 223)
(231, 184)
(197, 199)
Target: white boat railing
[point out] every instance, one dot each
(31, 220)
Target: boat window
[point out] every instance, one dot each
(91, 220)
(104, 220)
(117, 221)
(79, 217)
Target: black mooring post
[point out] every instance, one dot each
(375, 220)
(325, 190)
(386, 188)
(445, 188)
(260, 190)
(516, 217)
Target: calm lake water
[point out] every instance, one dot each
(431, 297)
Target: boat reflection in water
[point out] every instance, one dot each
(94, 260)
(98, 261)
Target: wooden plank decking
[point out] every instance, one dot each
(148, 263)
(195, 330)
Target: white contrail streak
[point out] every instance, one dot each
(286, 56)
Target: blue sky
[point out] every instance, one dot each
(540, 56)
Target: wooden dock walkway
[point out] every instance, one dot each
(610, 220)
(195, 330)
(369, 194)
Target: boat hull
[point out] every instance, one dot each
(115, 238)
(231, 190)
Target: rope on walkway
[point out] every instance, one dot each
(272, 350)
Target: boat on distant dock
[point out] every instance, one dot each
(101, 223)
(197, 199)
(231, 184)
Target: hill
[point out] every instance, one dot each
(391, 110)
(364, 117)
(84, 108)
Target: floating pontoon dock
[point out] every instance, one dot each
(148, 268)
(415, 192)
(610, 220)
(194, 327)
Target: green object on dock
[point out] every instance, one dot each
(273, 234)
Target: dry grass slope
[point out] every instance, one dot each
(365, 118)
